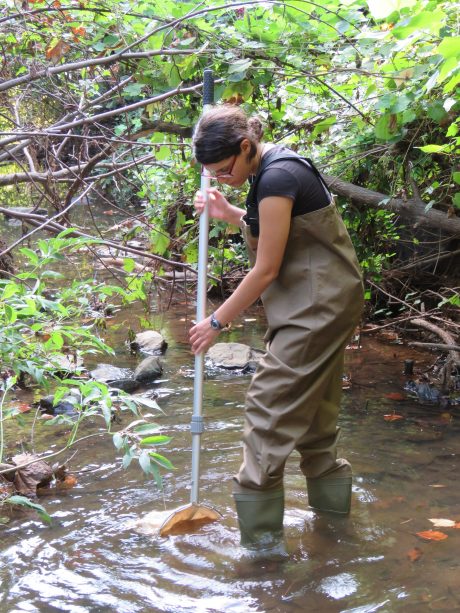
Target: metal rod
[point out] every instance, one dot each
(197, 426)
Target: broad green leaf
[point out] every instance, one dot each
(30, 255)
(456, 200)
(25, 502)
(144, 461)
(129, 264)
(426, 21)
(449, 47)
(160, 242)
(161, 460)
(118, 440)
(146, 429)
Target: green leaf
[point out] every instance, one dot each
(30, 255)
(146, 429)
(433, 148)
(456, 177)
(144, 461)
(161, 460)
(456, 200)
(129, 264)
(118, 440)
(25, 502)
(147, 402)
(159, 439)
(160, 242)
(449, 47)
(10, 314)
(127, 459)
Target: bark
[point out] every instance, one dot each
(412, 209)
(442, 334)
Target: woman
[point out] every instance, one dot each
(306, 272)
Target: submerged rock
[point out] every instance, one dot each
(234, 356)
(66, 406)
(424, 391)
(149, 342)
(148, 370)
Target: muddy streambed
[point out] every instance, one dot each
(405, 473)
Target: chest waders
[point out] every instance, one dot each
(293, 401)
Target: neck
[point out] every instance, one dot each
(257, 158)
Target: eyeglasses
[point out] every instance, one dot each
(220, 174)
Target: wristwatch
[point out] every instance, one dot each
(215, 323)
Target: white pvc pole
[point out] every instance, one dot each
(197, 419)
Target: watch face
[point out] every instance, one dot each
(214, 323)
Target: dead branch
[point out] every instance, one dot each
(440, 346)
(413, 208)
(447, 338)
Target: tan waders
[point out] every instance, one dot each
(293, 401)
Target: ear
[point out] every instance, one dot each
(245, 145)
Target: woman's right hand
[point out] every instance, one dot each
(218, 205)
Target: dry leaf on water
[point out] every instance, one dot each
(432, 535)
(439, 522)
(395, 396)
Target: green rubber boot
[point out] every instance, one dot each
(332, 492)
(260, 518)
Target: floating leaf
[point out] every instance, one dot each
(395, 396)
(392, 417)
(443, 523)
(432, 535)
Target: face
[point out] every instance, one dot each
(231, 171)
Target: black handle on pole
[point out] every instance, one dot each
(208, 87)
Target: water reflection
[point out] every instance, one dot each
(90, 562)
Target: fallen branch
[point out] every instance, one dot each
(448, 339)
(412, 208)
(440, 346)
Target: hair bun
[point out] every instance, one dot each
(255, 128)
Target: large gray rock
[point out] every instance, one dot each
(119, 378)
(234, 356)
(149, 342)
(148, 370)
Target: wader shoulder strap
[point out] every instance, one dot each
(252, 208)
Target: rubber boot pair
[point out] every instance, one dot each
(260, 518)
(331, 492)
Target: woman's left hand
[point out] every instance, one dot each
(202, 336)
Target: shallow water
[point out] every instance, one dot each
(405, 473)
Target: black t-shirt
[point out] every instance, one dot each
(292, 179)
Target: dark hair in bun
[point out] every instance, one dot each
(220, 131)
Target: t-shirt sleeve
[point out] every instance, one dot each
(278, 182)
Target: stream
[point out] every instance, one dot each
(405, 473)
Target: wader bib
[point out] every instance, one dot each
(312, 309)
